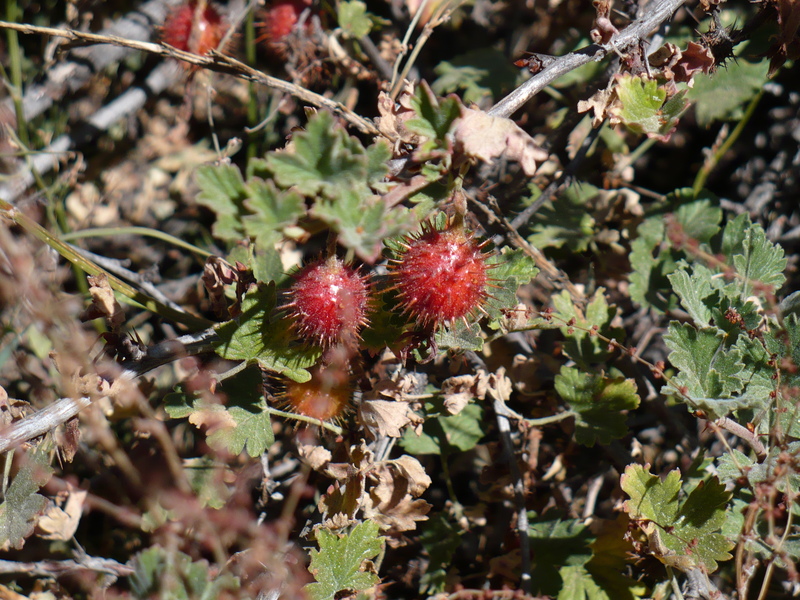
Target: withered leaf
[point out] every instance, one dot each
(384, 417)
(482, 136)
(57, 523)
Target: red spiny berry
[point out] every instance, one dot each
(329, 302)
(194, 26)
(441, 276)
(279, 20)
(326, 396)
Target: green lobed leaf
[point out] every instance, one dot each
(272, 211)
(722, 95)
(442, 434)
(337, 564)
(566, 220)
(353, 18)
(323, 159)
(579, 344)
(760, 263)
(693, 290)
(259, 335)
(433, 119)
(557, 543)
(243, 423)
(599, 403)
(22, 504)
(460, 337)
(709, 373)
(483, 73)
(578, 584)
(510, 270)
(362, 220)
(653, 257)
(645, 108)
(223, 191)
(681, 534)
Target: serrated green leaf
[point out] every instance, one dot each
(653, 257)
(482, 73)
(324, 159)
(693, 290)
(459, 336)
(510, 270)
(440, 540)
(337, 564)
(242, 423)
(722, 95)
(171, 575)
(22, 504)
(566, 220)
(578, 584)
(223, 191)
(683, 535)
(362, 221)
(643, 107)
(699, 218)
(733, 236)
(258, 334)
(599, 403)
(760, 264)
(441, 435)
(580, 345)
(710, 374)
(434, 119)
(353, 18)
(272, 210)
(253, 431)
(557, 543)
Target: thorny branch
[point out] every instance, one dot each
(629, 36)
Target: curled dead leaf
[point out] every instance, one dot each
(317, 457)
(482, 136)
(104, 304)
(384, 417)
(60, 519)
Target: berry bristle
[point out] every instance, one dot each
(441, 276)
(326, 396)
(194, 27)
(329, 302)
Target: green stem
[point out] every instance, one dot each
(144, 231)
(150, 304)
(288, 415)
(713, 161)
(15, 62)
(551, 419)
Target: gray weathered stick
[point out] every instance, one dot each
(632, 34)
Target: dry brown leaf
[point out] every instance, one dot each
(482, 136)
(384, 417)
(418, 479)
(57, 523)
(104, 304)
(393, 116)
(599, 103)
(317, 457)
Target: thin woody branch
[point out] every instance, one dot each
(629, 36)
(215, 62)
